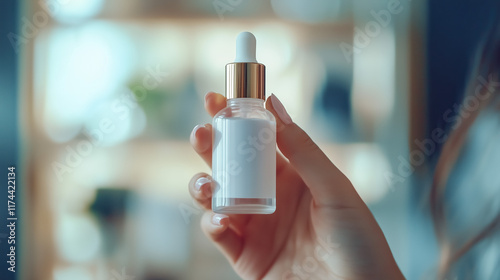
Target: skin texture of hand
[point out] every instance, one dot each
(321, 228)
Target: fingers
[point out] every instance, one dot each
(201, 140)
(200, 188)
(216, 227)
(214, 102)
(326, 182)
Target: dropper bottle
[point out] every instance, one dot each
(244, 139)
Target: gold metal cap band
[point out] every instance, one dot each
(245, 79)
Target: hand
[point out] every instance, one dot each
(321, 228)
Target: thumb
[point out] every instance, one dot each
(327, 184)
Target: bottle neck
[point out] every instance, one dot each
(245, 102)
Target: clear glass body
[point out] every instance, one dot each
(244, 158)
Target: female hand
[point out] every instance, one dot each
(321, 228)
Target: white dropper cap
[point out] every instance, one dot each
(245, 77)
(245, 47)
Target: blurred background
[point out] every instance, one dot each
(110, 90)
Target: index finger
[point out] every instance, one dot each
(328, 185)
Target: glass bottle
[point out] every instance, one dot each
(244, 140)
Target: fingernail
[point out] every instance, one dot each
(280, 110)
(206, 96)
(200, 182)
(193, 133)
(203, 145)
(217, 219)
